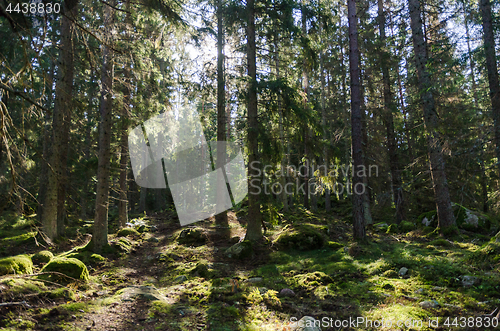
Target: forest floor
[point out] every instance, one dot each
(160, 282)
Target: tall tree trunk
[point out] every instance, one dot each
(254, 227)
(389, 108)
(221, 218)
(46, 137)
(326, 135)
(305, 86)
(100, 236)
(446, 218)
(356, 130)
(52, 220)
(491, 66)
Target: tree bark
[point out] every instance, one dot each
(221, 218)
(100, 236)
(491, 66)
(389, 108)
(52, 217)
(254, 227)
(446, 219)
(356, 125)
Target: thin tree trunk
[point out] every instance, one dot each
(357, 148)
(305, 86)
(100, 236)
(326, 135)
(389, 108)
(446, 219)
(52, 220)
(221, 218)
(491, 66)
(254, 227)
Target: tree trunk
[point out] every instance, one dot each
(491, 66)
(254, 227)
(446, 218)
(100, 236)
(326, 135)
(305, 86)
(356, 130)
(221, 218)
(52, 219)
(389, 108)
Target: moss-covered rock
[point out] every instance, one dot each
(201, 269)
(192, 237)
(240, 250)
(42, 257)
(440, 242)
(71, 267)
(469, 220)
(406, 226)
(19, 264)
(301, 237)
(428, 219)
(125, 232)
(334, 245)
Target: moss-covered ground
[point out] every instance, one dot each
(307, 264)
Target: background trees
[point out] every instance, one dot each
(281, 92)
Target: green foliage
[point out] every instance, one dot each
(192, 237)
(20, 264)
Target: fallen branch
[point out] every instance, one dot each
(22, 303)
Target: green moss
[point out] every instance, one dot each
(19, 286)
(301, 237)
(68, 266)
(128, 232)
(440, 242)
(192, 237)
(60, 293)
(393, 228)
(240, 250)
(334, 245)
(201, 269)
(406, 226)
(42, 257)
(20, 264)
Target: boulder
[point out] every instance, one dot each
(403, 271)
(192, 237)
(302, 237)
(406, 226)
(240, 250)
(430, 304)
(306, 323)
(19, 264)
(42, 257)
(125, 232)
(71, 267)
(149, 293)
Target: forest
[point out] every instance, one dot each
(249, 165)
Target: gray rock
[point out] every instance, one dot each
(133, 292)
(419, 291)
(438, 288)
(180, 279)
(254, 280)
(429, 304)
(403, 271)
(306, 323)
(240, 250)
(286, 292)
(468, 281)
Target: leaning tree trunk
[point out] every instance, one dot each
(356, 125)
(52, 221)
(491, 66)
(100, 236)
(446, 218)
(389, 108)
(254, 228)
